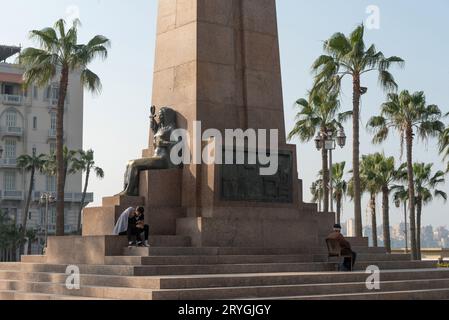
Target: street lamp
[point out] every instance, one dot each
(46, 199)
(328, 140)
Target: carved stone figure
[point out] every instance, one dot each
(163, 145)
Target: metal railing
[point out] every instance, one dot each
(12, 131)
(12, 195)
(8, 163)
(11, 99)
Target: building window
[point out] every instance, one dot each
(53, 121)
(29, 215)
(51, 183)
(10, 149)
(52, 92)
(52, 215)
(52, 148)
(35, 93)
(10, 181)
(11, 119)
(34, 123)
(34, 150)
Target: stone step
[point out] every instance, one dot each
(372, 250)
(394, 265)
(225, 280)
(278, 279)
(123, 201)
(194, 269)
(9, 265)
(296, 290)
(269, 267)
(383, 257)
(169, 241)
(33, 259)
(84, 269)
(208, 260)
(433, 294)
(212, 251)
(53, 288)
(358, 242)
(16, 295)
(85, 279)
(239, 259)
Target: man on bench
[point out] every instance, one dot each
(345, 246)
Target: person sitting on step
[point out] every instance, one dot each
(131, 223)
(345, 247)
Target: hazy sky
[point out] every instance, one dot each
(116, 123)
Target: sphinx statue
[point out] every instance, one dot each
(163, 145)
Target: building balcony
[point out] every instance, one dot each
(12, 132)
(13, 100)
(8, 163)
(12, 195)
(52, 134)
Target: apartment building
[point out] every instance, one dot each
(28, 126)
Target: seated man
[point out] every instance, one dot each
(132, 224)
(345, 247)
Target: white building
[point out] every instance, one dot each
(27, 126)
(350, 228)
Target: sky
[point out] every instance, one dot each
(116, 122)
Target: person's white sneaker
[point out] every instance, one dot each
(146, 244)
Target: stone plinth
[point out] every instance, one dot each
(84, 250)
(162, 191)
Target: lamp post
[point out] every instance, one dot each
(329, 141)
(397, 202)
(46, 199)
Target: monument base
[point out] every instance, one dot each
(302, 232)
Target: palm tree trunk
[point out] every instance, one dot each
(60, 151)
(418, 226)
(25, 213)
(339, 210)
(356, 156)
(324, 155)
(386, 218)
(83, 198)
(374, 220)
(29, 247)
(411, 189)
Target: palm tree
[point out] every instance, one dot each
(59, 55)
(340, 187)
(317, 193)
(30, 164)
(86, 163)
(426, 184)
(370, 183)
(348, 56)
(319, 115)
(401, 195)
(386, 174)
(409, 115)
(32, 237)
(69, 162)
(444, 145)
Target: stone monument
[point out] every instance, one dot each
(217, 62)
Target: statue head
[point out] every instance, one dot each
(167, 117)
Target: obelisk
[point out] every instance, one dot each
(217, 61)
